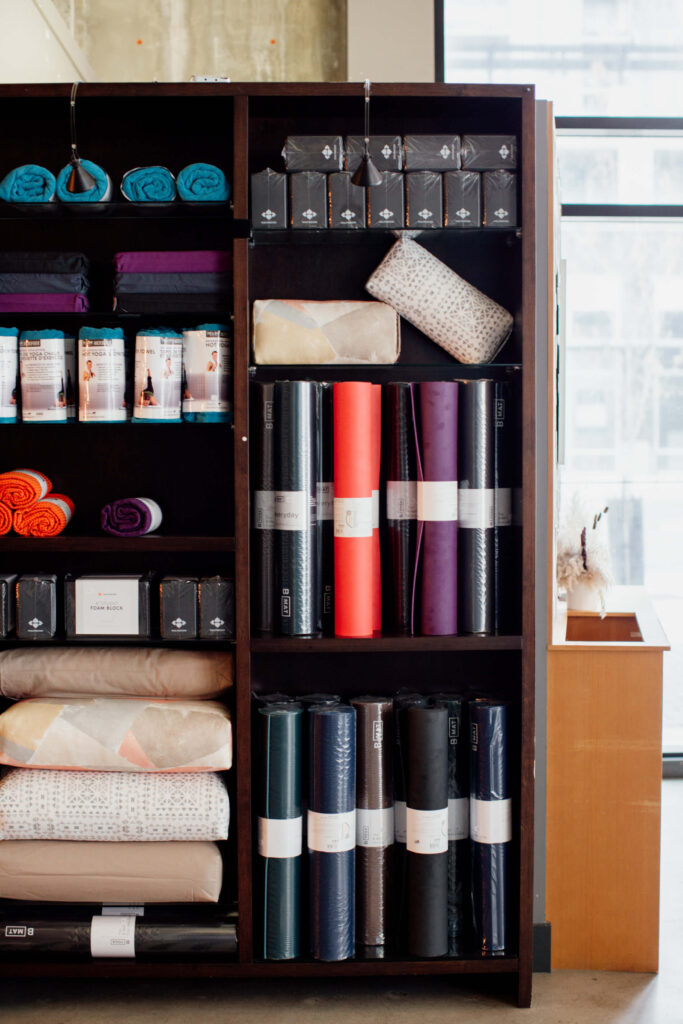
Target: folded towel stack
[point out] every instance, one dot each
(44, 282)
(194, 281)
(26, 497)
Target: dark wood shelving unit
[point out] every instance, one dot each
(203, 481)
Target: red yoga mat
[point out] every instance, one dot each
(354, 579)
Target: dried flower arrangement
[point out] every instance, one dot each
(582, 553)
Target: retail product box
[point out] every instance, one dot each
(314, 153)
(178, 607)
(8, 598)
(308, 199)
(500, 199)
(216, 608)
(101, 606)
(462, 199)
(386, 202)
(346, 201)
(424, 199)
(386, 152)
(36, 606)
(269, 199)
(432, 152)
(489, 152)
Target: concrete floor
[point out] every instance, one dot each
(563, 997)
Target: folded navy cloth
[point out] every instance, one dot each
(37, 262)
(42, 282)
(203, 183)
(159, 303)
(173, 261)
(173, 284)
(48, 303)
(29, 183)
(149, 185)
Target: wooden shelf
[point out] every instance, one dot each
(104, 543)
(364, 236)
(398, 644)
(177, 210)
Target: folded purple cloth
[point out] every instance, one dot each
(131, 517)
(54, 303)
(173, 262)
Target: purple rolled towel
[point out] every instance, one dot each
(131, 517)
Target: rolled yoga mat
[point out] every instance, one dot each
(131, 517)
(280, 828)
(263, 505)
(376, 473)
(99, 193)
(402, 700)
(354, 415)
(9, 374)
(101, 375)
(43, 375)
(332, 830)
(325, 505)
(29, 183)
(203, 183)
(490, 823)
(427, 830)
(20, 488)
(401, 498)
(50, 302)
(207, 374)
(374, 823)
(152, 184)
(507, 533)
(437, 505)
(476, 523)
(47, 518)
(458, 821)
(294, 513)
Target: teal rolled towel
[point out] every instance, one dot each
(29, 183)
(99, 193)
(149, 185)
(203, 183)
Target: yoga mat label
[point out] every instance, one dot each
(280, 837)
(8, 377)
(107, 607)
(112, 936)
(290, 510)
(490, 820)
(158, 373)
(353, 517)
(503, 506)
(427, 831)
(264, 510)
(437, 501)
(401, 499)
(400, 821)
(118, 910)
(42, 370)
(102, 380)
(207, 371)
(331, 833)
(458, 818)
(325, 496)
(374, 827)
(477, 508)
(375, 510)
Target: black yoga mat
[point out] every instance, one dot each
(280, 832)
(325, 506)
(476, 513)
(459, 914)
(204, 283)
(42, 282)
(401, 501)
(296, 528)
(262, 498)
(427, 830)
(39, 262)
(374, 822)
(155, 302)
(508, 533)
(490, 823)
(332, 831)
(402, 700)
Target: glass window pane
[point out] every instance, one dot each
(632, 169)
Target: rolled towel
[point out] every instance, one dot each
(99, 193)
(149, 185)
(20, 488)
(29, 183)
(203, 183)
(51, 302)
(131, 517)
(5, 519)
(46, 518)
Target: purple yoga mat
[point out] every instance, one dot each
(173, 262)
(44, 303)
(131, 517)
(435, 412)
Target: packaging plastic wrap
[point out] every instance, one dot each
(401, 501)
(263, 505)
(374, 822)
(42, 363)
(346, 202)
(500, 199)
(476, 498)
(432, 152)
(489, 152)
(295, 515)
(101, 375)
(462, 195)
(9, 370)
(269, 200)
(386, 202)
(424, 199)
(308, 200)
(280, 828)
(386, 152)
(332, 831)
(507, 539)
(207, 374)
(490, 823)
(314, 153)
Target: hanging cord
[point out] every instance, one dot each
(72, 111)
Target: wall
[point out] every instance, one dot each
(36, 46)
(391, 40)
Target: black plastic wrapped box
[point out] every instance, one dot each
(386, 202)
(347, 201)
(386, 152)
(216, 608)
(37, 606)
(178, 607)
(462, 199)
(308, 199)
(269, 199)
(7, 603)
(424, 199)
(500, 199)
(314, 153)
(489, 152)
(432, 152)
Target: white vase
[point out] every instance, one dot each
(583, 598)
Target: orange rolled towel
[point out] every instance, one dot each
(5, 519)
(45, 518)
(21, 488)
